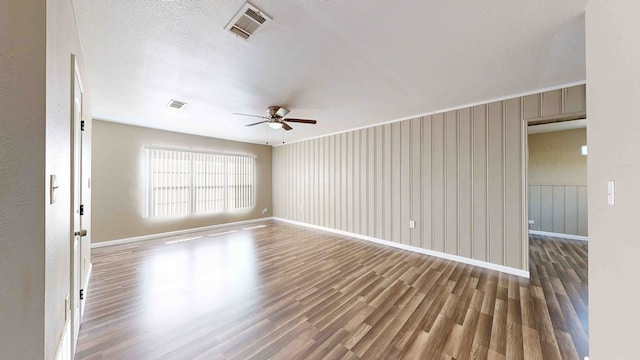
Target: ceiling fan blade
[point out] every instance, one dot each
(258, 116)
(304, 121)
(259, 122)
(286, 126)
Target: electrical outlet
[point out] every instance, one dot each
(531, 222)
(265, 210)
(412, 224)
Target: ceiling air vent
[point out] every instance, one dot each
(175, 104)
(247, 21)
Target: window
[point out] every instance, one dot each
(186, 182)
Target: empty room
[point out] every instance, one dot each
(318, 179)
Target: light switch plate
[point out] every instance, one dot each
(611, 193)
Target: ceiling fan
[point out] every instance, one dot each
(276, 118)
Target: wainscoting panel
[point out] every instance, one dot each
(559, 209)
(479, 179)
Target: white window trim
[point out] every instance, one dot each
(148, 185)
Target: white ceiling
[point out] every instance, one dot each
(347, 64)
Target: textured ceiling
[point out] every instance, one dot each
(347, 64)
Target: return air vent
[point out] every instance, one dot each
(247, 21)
(175, 104)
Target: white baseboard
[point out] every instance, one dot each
(174, 233)
(465, 260)
(558, 235)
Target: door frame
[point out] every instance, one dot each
(75, 243)
(527, 125)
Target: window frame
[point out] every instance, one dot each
(249, 176)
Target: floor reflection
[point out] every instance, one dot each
(279, 291)
(184, 281)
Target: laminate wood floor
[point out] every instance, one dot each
(284, 292)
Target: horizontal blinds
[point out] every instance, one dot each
(183, 182)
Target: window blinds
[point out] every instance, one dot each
(184, 182)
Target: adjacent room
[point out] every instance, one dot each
(318, 180)
(558, 179)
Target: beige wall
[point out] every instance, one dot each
(561, 104)
(118, 186)
(557, 182)
(554, 158)
(613, 75)
(22, 178)
(62, 42)
(459, 175)
(38, 39)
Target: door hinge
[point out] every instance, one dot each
(81, 294)
(81, 209)
(82, 125)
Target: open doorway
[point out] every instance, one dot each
(558, 224)
(557, 179)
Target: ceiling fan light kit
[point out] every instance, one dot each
(276, 118)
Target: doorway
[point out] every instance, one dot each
(557, 179)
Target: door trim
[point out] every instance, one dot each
(75, 279)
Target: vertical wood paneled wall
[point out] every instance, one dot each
(459, 175)
(558, 208)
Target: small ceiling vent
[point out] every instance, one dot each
(247, 21)
(175, 104)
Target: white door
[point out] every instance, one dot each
(77, 229)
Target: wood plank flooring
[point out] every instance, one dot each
(279, 291)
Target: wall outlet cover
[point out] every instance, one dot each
(611, 193)
(531, 222)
